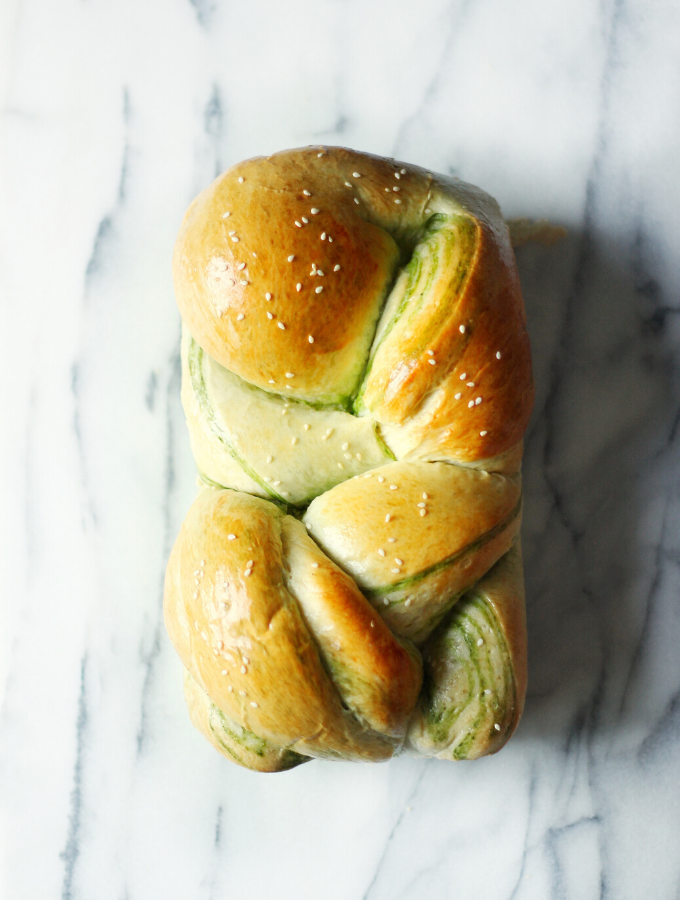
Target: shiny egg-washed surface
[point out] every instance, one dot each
(356, 378)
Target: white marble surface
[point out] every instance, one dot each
(114, 113)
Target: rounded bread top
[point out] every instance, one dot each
(344, 279)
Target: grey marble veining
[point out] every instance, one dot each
(113, 116)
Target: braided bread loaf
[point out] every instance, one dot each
(356, 378)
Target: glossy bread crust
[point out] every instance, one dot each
(356, 376)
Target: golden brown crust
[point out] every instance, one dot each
(243, 639)
(354, 521)
(347, 281)
(226, 310)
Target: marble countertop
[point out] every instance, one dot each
(114, 114)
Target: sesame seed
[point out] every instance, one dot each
(314, 211)
(388, 517)
(240, 317)
(430, 352)
(387, 189)
(224, 672)
(461, 328)
(310, 339)
(392, 540)
(226, 215)
(393, 487)
(306, 193)
(423, 512)
(356, 175)
(242, 693)
(395, 188)
(323, 235)
(463, 376)
(315, 565)
(277, 483)
(432, 362)
(380, 479)
(235, 239)
(281, 326)
(425, 497)
(291, 258)
(330, 239)
(470, 384)
(269, 315)
(347, 455)
(220, 645)
(420, 505)
(298, 287)
(231, 232)
(457, 396)
(408, 602)
(478, 400)
(299, 224)
(336, 268)
(241, 267)
(345, 446)
(305, 220)
(397, 175)
(497, 726)
(347, 184)
(270, 459)
(399, 562)
(271, 381)
(318, 290)
(368, 475)
(240, 179)
(253, 704)
(356, 201)
(243, 670)
(231, 537)
(395, 571)
(428, 210)
(294, 441)
(480, 642)
(244, 283)
(372, 624)
(319, 155)
(471, 404)
(487, 691)
(230, 688)
(290, 375)
(267, 296)
(498, 355)
(358, 456)
(247, 572)
(340, 466)
(319, 273)
(483, 433)
(397, 200)
(381, 552)
(267, 478)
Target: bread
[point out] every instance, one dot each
(356, 377)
